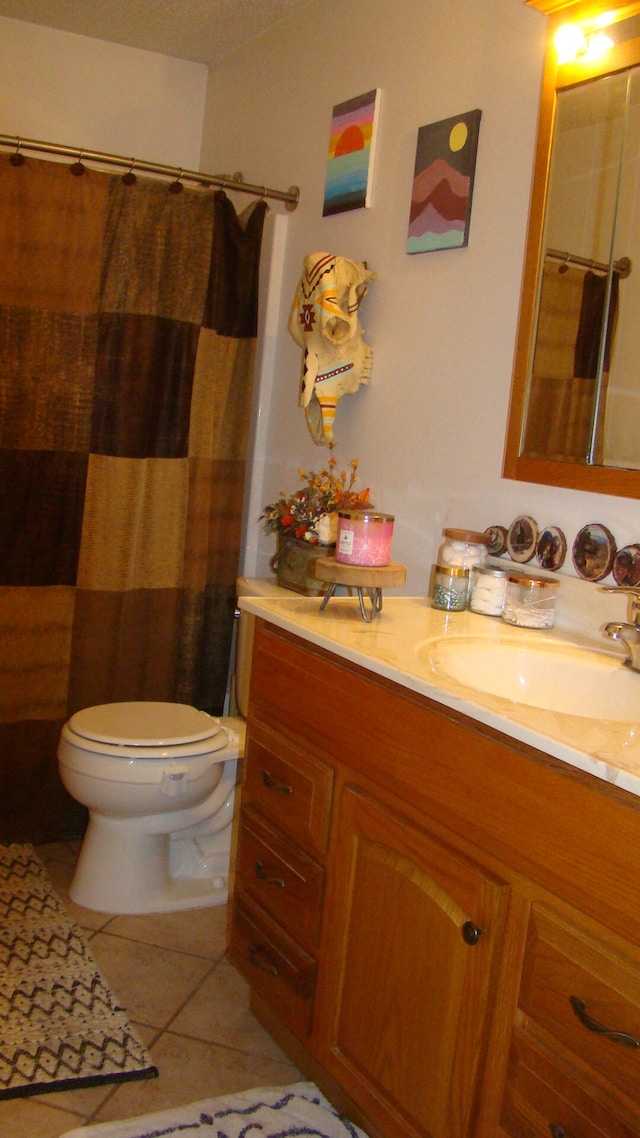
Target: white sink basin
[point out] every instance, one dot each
(546, 674)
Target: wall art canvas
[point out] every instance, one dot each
(351, 154)
(443, 184)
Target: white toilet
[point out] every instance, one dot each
(158, 780)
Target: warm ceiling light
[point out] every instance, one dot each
(570, 42)
(598, 44)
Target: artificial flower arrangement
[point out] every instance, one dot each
(311, 513)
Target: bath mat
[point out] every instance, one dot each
(270, 1112)
(61, 1027)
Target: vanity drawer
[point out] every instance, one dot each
(287, 883)
(277, 969)
(567, 965)
(289, 788)
(541, 1100)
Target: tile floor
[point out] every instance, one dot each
(187, 1003)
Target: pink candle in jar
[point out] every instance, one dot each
(364, 538)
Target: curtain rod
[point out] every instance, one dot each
(622, 265)
(225, 181)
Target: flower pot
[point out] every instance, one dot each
(293, 564)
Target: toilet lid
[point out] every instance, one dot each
(144, 724)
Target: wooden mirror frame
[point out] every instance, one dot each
(571, 475)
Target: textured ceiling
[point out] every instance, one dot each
(203, 31)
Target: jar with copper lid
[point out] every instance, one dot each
(450, 588)
(530, 602)
(463, 549)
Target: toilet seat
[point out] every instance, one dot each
(145, 730)
(144, 724)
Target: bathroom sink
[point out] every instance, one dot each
(545, 674)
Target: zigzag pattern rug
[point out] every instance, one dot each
(296, 1111)
(60, 1025)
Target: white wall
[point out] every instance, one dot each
(69, 89)
(429, 430)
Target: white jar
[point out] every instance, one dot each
(488, 587)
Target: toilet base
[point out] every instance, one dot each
(122, 870)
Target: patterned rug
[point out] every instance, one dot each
(60, 1025)
(296, 1111)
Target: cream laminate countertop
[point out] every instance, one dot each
(389, 645)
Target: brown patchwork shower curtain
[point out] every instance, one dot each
(127, 337)
(563, 384)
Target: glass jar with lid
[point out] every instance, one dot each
(450, 588)
(530, 602)
(488, 585)
(463, 549)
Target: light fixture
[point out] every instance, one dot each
(598, 44)
(573, 43)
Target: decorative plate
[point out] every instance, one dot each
(593, 552)
(551, 549)
(626, 566)
(522, 538)
(498, 540)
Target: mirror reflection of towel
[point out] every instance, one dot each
(594, 291)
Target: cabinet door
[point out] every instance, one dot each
(414, 933)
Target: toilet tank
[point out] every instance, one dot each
(248, 587)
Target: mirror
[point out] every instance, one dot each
(575, 405)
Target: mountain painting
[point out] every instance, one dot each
(443, 184)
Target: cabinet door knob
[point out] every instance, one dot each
(255, 956)
(279, 787)
(264, 876)
(580, 1009)
(556, 1131)
(471, 933)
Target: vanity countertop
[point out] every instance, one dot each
(388, 647)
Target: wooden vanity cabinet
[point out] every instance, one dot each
(417, 898)
(404, 994)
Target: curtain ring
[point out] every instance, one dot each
(177, 187)
(78, 169)
(129, 178)
(17, 159)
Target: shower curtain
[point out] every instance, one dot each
(563, 382)
(127, 337)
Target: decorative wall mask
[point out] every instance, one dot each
(324, 323)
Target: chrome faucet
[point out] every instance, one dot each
(628, 632)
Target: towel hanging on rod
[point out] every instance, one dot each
(233, 182)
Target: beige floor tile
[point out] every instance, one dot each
(199, 932)
(33, 1118)
(152, 983)
(191, 1070)
(219, 1013)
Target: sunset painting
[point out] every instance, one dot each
(443, 184)
(351, 153)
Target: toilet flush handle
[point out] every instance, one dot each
(174, 781)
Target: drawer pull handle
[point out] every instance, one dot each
(471, 933)
(279, 787)
(264, 876)
(580, 1009)
(556, 1131)
(257, 961)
